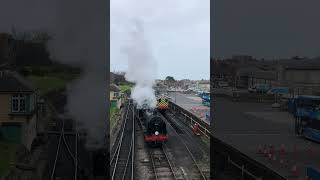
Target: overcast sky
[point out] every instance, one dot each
(266, 28)
(177, 31)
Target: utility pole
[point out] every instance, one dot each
(175, 95)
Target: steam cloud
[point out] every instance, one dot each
(142, 68)
(79, 30)
(80, 39)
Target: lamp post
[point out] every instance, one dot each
(175, 95)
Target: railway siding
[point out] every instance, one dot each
(122, 158)
(190, 119)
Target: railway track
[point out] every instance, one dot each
(122, 161)
(68, 156)
(162, 167)
(64, 152)
(197, 172)
(184, 129)
(199, 149)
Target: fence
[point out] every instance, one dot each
(191, 119)
(243, 96)
(247, 168)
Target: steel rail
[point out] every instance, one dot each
(119, 149)
(57, 152)
(189, 152)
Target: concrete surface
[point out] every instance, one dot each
(250, 126)
(189, 101)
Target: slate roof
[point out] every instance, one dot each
(114, 88)
(13, 82)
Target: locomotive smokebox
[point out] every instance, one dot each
(155, 131)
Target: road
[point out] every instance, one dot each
(188, 101)
(248, 126)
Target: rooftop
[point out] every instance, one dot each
(114, 88)
(13, 82)
(270, 75)
(301, 64)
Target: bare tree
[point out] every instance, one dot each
(41, 37)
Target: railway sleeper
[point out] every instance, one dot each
(122, 162)
(206, 174)
(163, 169)
(165, 178)
(164, 174)
(196, 175)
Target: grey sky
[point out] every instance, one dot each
(268, 28)
(27, 15)
(178, 32)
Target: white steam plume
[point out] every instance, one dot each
(142, 68)
(80, 40)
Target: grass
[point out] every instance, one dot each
(8, 155)
(124, 88)
(47, 83)
(53, 81)
(53, 77)
(113, 112)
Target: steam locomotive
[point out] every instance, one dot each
(155, 130)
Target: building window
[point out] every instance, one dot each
(19, 103)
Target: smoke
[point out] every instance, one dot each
(80, 39)
(87, 105)
(142, 68)
(79, 31)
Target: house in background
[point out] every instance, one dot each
(301, 76)
(115, 96)
(262, 77)
(18, 109)
(203, 85)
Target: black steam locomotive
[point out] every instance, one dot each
(155, 130)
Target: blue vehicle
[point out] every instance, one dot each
(208, 116)
(259, 88)
(306, 110)
(206, 99)
(199, 93)
(313, 173)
